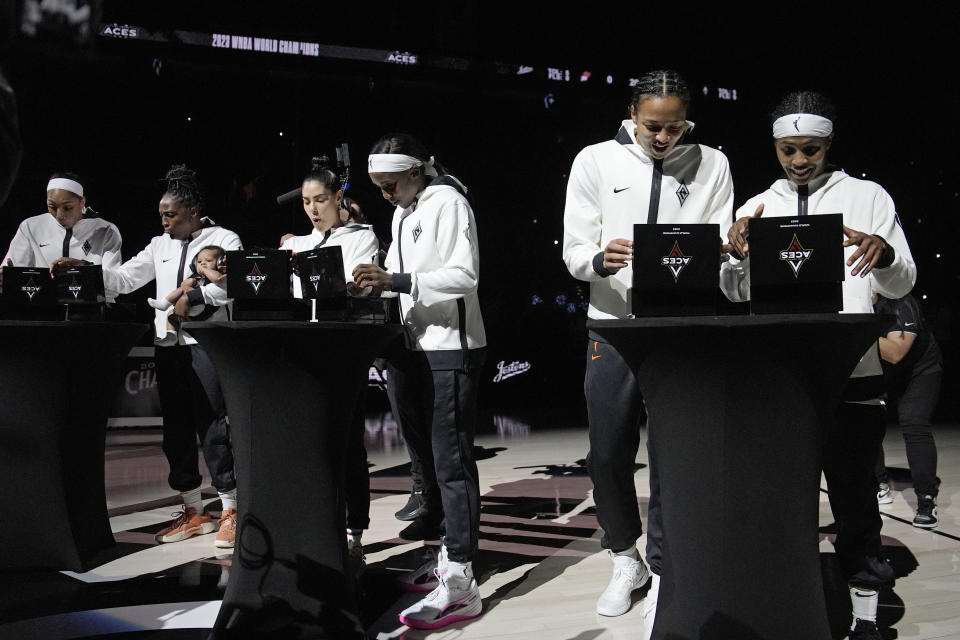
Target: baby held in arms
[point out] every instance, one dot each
(208, 267)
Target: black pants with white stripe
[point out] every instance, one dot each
(438, 415)
(614, 410)
(193, 406)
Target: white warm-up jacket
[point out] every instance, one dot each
(435, 262)
(609, 191)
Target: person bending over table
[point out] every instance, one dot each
(643, 175)
(433, 263)
(878, 258)
(190, 395)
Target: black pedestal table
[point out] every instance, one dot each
(290, 389)
(57, 383)
(736, 406)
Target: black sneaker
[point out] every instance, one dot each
(926, 517)
(865, 630)
(873, 572)
(415, 504)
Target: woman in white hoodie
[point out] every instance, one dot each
(877, 258)
(433, 264)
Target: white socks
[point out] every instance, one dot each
(631, 552)
(192, 500)
(864, 603)
(229, 499)
(163, 304)
(353, 535)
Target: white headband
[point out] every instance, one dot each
(393, 162)
(802, 124)
(65, 183)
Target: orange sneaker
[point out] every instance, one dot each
(186, 524)
(228, 529)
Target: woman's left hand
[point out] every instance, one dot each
(869, 250)
(370, 275)
(65, 262)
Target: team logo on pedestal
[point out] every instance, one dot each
(255, 278)
(675, 261)
(795, 255)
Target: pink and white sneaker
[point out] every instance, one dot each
(456, 598)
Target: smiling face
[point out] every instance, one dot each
(803, 158)
(321, 205)
(65, 206)
(400, 188)
(178, 219)
(660, 124)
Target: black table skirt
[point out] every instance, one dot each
(736, 408)
(290, 389)
(58, 382)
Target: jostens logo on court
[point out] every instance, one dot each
(675, 261)
(255, 278)
(795, 255)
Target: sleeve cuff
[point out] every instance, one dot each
(888, 255)
(598, 266)
(195, 297)
(402, 282)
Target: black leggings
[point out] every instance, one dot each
(915, 402)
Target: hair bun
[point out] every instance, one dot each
(320, 163)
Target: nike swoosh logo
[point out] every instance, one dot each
(909, 324)
(594, 356)
(166, 260)
(615, 190)
(43, 244)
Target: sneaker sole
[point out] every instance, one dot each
(887, 500)
(414, 623)
(932, 525)
(205, 528)
(224, 544)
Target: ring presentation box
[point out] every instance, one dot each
(796, 264)
(676, 269)
(258, 280)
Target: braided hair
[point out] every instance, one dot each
(806, 102)
(660, 84)
(322, 172)
(181, 183)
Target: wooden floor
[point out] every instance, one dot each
(540, 567)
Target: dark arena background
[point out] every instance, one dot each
(504, 95)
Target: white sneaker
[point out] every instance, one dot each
(424, 578)
(456, 598)
(628, 575)
(884, 496)
(648, 611)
